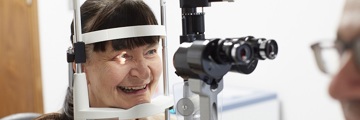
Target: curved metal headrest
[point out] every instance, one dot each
(123, 32)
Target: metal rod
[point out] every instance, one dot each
(71, 73)
(70, 70)
(77, 25)
(208, 98)
(164, 56)
(187, 94)
(164, 45)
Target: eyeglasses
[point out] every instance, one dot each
(329, 53)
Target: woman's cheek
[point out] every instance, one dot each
(114, 74)
(157, 67)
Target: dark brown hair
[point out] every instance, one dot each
(105, 14)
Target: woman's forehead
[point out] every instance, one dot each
(349, 27)
(143, 47)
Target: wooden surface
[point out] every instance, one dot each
(20, 74)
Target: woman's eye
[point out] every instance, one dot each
(151, 52)
(123, 56)
(126, 56)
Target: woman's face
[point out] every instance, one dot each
(345, 85)
(123, 78)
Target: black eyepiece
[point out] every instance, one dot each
(268, 49)
(233, 51)
(241, 53)
(245, 69)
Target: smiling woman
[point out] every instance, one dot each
(120, 73)
(122, 78)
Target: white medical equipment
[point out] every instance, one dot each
(201, 62)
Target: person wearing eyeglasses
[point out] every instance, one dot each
(341, 59)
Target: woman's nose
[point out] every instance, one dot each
(346, 84)
(140, 70)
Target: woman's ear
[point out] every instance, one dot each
(82, 68)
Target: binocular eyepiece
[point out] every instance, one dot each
(214, 58)
(243, 53)
(263, 48)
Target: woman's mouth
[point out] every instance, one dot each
(134, 89)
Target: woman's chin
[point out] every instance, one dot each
(141, 101)
(351, 110)
(134, 102)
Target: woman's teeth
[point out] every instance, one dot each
(131, 89)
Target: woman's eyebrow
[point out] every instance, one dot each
(116, 52)
(151, 45)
